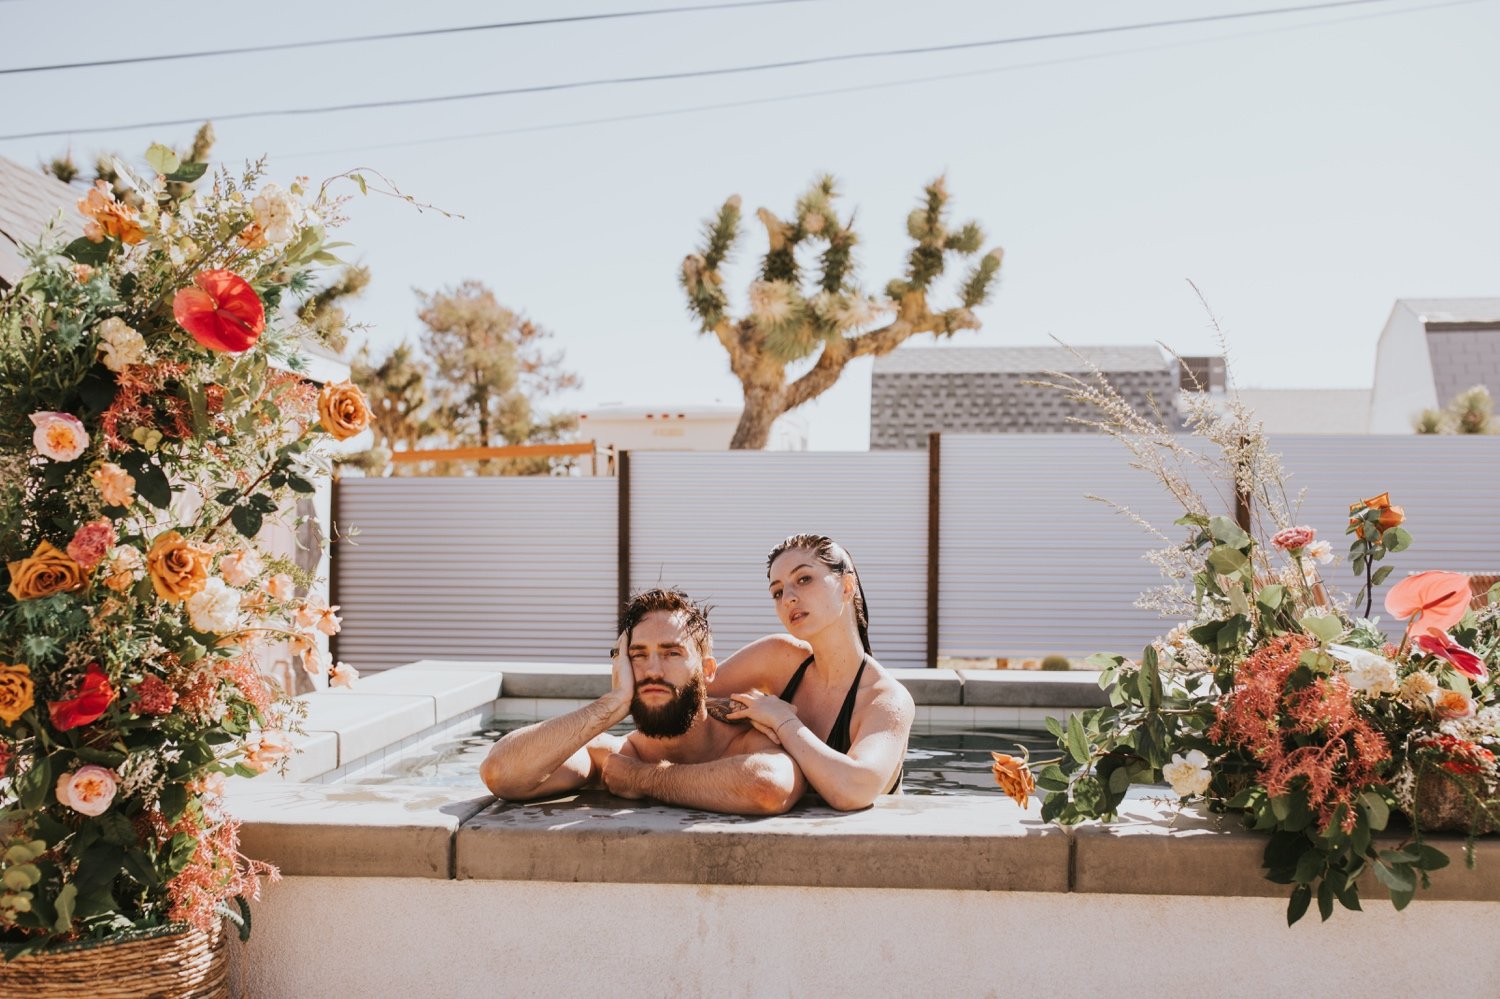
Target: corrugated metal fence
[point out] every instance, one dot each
(514, 568)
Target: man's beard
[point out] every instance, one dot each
(674, 718)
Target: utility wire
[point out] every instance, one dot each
(860, 88)
(691, 74)
(422, 33)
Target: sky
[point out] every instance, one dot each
(1304, 170)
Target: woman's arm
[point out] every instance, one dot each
(765, 664)
(852, 781)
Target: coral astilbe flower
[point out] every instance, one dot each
(222, 312)
(88, 703)
(216, 872)
(141, 401)
(1312, 737)
(1435, 643)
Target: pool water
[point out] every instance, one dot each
(939, 760)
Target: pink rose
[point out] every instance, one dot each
(91, 543)
(59, 436)
(241, 567)
(89, 790)
(1294, 538)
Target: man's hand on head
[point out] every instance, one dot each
(621, 681)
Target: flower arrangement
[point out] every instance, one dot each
(153, 416)
(1282, 701)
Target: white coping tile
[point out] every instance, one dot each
(366, 723)
(551, 707)
(951, 714)
(452, 690)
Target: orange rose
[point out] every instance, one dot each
(17, 693)
(178, 568)
(1014, 778)
(46, 572)
(342, 410)
(1390, 516)
(109, 217)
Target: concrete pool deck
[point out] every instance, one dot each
(370, 866)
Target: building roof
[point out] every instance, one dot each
(1453, 310)
(1308, 410)
(29, 200)
(617, 411)
(1018, 360)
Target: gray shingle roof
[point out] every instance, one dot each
(1017, 360)
(1454, 310)
(29, 200)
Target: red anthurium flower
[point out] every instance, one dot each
(92, 699)
(1435, 643)
(222, 312)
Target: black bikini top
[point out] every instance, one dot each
(838, 736)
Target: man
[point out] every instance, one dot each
(678, 753)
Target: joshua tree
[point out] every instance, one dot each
(791, 319)
(1470, 412)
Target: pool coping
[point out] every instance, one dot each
(306, 824)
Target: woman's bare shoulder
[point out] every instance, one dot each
(891, 694)
(764, 663)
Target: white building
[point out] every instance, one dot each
(1431, 350)
(682, 428)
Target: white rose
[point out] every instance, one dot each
(1371, 674)
(1321, 551)
(278, 213)
(121, 345)
(1188, 774)
(215, 608)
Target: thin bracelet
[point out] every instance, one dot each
(777, 730)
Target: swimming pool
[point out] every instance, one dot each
(940, 759)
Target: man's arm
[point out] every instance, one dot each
(553, 756)
(760, 780)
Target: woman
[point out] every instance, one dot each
(841, 716)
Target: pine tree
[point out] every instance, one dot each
(396, 389)
(490, 366)
(795, 316)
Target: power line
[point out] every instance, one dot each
(421, 33)
(859, 88)
(691, 74)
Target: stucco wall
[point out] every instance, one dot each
(1403, 374)
(416, 937)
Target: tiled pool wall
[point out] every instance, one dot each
(409, 890)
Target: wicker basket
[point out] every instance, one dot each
(1441, 805)
(171, 962)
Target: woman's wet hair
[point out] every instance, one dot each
(833, 555)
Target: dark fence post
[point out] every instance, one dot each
(622, 506)
(934, 515)
(1241, 497)
(334, 491)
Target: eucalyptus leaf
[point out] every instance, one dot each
(163, 159)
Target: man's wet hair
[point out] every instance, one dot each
(670, 601)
